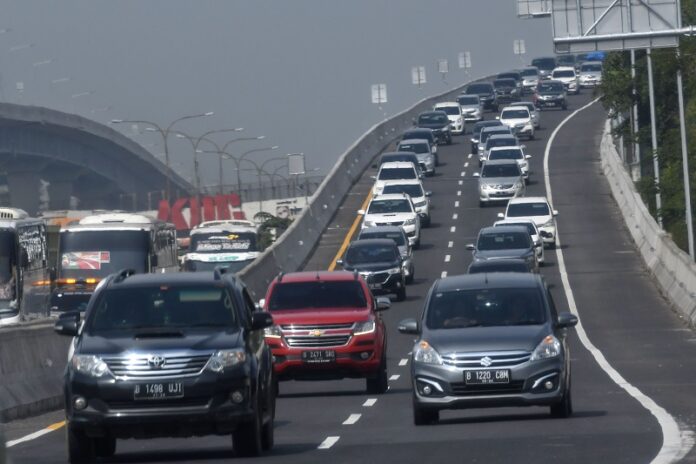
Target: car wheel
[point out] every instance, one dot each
(81, 448)
(105, 447)
(416, 245)
(247, 439)
(426, 221)
(564, 409)
(564, 106)
(380, 383)
(411, 276)
(531, 136)
(267, 432)
(423, 416)
(401, 294)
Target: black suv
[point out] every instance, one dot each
(506, 90)
(439, 123)
(168, 355)
(379, 262)
(550, 93)
(486, 94)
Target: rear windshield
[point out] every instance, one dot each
(529, 72)
(426, 134)
(433, 118)
(507, 154)
(527, 225)
(527, 209)
(502, 241)
(591, 67)
(162, 307)
(317, 294)
(486, 134)
(551, 87)
(567, 73)
(363, 254)
(544, 63)
(451, 110)
(501, 142)
(479, 88)
(398, 237)
(500, 170)
(479, 126)
(389, 206)
(397, 173)
(485, 308)
(468, 100)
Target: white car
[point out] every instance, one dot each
(590, 74)
(395, 170)
(530, 78)
(533, 233)
(422, 149)
(519, 119)
(419, 196)
(511, 153)
(538, 210)
(395, 209)
(472, 108)
(497, 140)
(566, 74)
(487, 132)
(534, 111)
(454, 114)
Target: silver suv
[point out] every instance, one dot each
(488, 340)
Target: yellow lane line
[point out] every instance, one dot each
(351, 232)
(56, 426)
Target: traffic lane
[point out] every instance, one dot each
(620, 305)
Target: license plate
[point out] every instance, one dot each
(375, 286)
(158, 391)
(319, 356)
(487, 376)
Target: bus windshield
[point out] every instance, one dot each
(98, 253)
(223, 242)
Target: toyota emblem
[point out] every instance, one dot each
(156, 361)
(486, 361)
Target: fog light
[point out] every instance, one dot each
(79, 403)
(237, 396)
(427, 390)
(364, 355)
(548, 385)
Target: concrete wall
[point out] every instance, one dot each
(671, 267)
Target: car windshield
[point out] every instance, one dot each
(223, 242)
(566, 60)
(504, 83)
(515, 114)
(500, 170)
(492, 241)
(317, 294)
(501, 142)
(398, 237)
(544, 63)
(568, 73)
(389, 206)
(162, 307)
(363, 254)
(487, 133)
(451, 110)
(476, 89)
(412, 190)
(487, 307)
(529, 72)
(433, 118)
(414, 147)
(506, 154)
(191, 265)
(527, 225)
(468, 101)
(591, 67)
(527, 209)
(550, 87)
(397, 173)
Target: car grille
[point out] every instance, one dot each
(310, 327)
(140, 366)
(317, 342)
(476, 360)
(462, 389)
(376, 278)
(393, 223)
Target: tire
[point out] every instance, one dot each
(379, 384)
(564, 106)
(81, 448)
(531, 136)
(417, 244)
(564, 409)
(105, 447)
(401, 294)
(426, 222)
(267, 430)
(423, 416)
(411, 276)
(248, 438)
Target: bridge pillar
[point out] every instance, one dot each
(61, 181)
(24, 190)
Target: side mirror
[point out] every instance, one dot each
(361, 212)
(409, 326)
(373, 177)
(476, 174)
(339, 262)
(382, 303)
(261, 320)
(470, 246)
(497, 118)
(428, 193)
(501, 215)
(154, 261)
(68, 324)
(527, 156)
(433, 149)
(538, 245)
(566, 319)
(523, 146)
(555, 212)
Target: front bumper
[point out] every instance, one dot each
(487, 196)
(457, 129)
(550, 102)
(590, 82)
(473, 116)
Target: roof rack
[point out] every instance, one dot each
(123, 274)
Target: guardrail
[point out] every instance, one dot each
(671, 267)
(295, 246)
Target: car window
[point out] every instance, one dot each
(550, 87)
(591, 67)
(528, 225)
(510, 154)
(433, 118)
(390, 206)
(397, 173)
(527, 209)
(492, 241)
(485, 308)
(468, 101)
(319, 294)
(568, 73)
(372, 254)
(412, 190)
(162, 307)
(451, 110)
(529, 72)
(515, 114)
(479, 88)
(399, 238)
(502, 142)
(414, 147)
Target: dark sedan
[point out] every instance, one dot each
(439, 123)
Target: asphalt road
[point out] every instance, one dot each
(621, 311)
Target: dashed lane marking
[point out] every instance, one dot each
(459, 193)
(461, 182)
(456, 204)
(466, 165)
(35, 435)
(447, 258)
(463, 173)
(453, 229)
(369, 402)
(470, 155)
(352, 419)
(450, 244)
(328, 443)
(455, 216)
(394, 377)
(443, 274)
(403, 362)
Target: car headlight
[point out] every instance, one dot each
(518, 185)
(426, 354)
(89, 365)
(410, 222)
(226, 358)
(459, 120)
(394, 270)
(419, 204)
(549, 347)
(487, 187)
(362, 328)
(273, 332)
(548, 223)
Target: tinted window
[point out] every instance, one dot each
(502, 241)
(432, 118)
(371, 254)
(515, 114)
(552, 87)
(392, 158)
(397, 173)
(591, 67)
(529, 72)
(479, 89)
(389, 206)
(487, 133)
(305, 295)
(509, 76)
(414, 147)
(413, 190)
(544, 63)
(527, 209)
(485, 308)
(528, 225)
(468, 101)
(500, 170)
(510, 154)
(479, 126)
(451, 110)
(501, 142)
(504, 83)
(162, 307)
(568, 73)
(398, 237)
(426, 134)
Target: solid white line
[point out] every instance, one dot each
(455, 216)
(447, 258)
(676, 443)
(456, 204)
(459, 193)
(453, 228)
(328, 443)
(466, 165)
(352, 419)
(394, 377)
(450, 244)
(403, 362)
(369, 402)
(443, 274)
(35, 435)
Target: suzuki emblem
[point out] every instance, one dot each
(486, 361)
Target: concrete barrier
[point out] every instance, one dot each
(671, 267)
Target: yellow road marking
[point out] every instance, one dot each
(56, 426)
(351, 232)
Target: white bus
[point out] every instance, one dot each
(102, 244)
(221, 243)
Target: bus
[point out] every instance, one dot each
(102, 244)
(232, 244)
(24, 275)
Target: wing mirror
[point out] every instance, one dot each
(261, 320)
(428, 193)
(527, 156)
(523, 146)
(361, 212)
(566, 319)
(261, 304)
(470, 246)
(339, 262)
(555, 212)
(409, 326)
(68, 324)
(501, 215)
(476, 174)
(382, 303)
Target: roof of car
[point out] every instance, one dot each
(514, 107)
(372, 242)
(501, 136)
(414, 141)
(488, 280)
(498, 128)
(502, 229)
(432, 112)
(173, 278)
(397, 153)
(500, 161)
(316, 275)
(489, 123)
(528, 200)
(494, 149)
(396, 165)
(403, 182)
(509, 221)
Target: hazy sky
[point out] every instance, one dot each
(297, 71)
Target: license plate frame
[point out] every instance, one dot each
(487, 377)
(318, 356)
(148, 391)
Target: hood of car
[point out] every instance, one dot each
(320, 316)
(158, 340)
(470, 108)
(538, 220)
(434, 125)
(498, 180)
(515, 121)
(485, 255)
(486, 339)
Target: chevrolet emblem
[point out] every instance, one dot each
(316, 333)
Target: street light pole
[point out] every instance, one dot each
(259, 170)
(220, 151)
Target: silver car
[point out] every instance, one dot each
(423, 150)
(489, 340)
(590, 74)
(500, 180)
